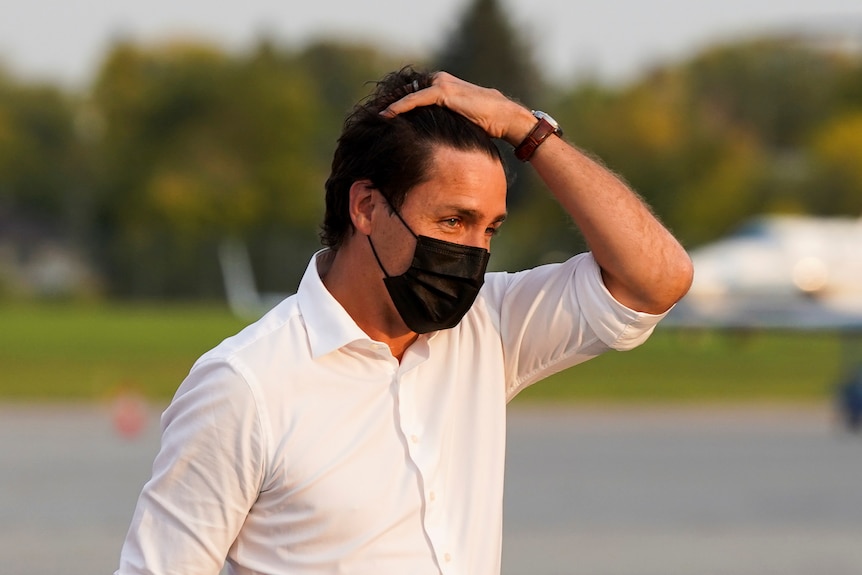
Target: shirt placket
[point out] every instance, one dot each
(421, 450)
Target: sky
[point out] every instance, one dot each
(616, 40)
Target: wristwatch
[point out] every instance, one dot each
(545, 127)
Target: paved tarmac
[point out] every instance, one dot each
(622, 491)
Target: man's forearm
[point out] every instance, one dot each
(643, 265)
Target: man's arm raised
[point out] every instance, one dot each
(643, 266)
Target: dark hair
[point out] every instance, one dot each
(393, 153)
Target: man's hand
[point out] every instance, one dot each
(488, 108)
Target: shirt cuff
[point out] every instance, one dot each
(618, 326)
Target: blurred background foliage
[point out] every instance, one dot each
(175, 147)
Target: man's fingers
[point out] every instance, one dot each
(431, 95)
(407, 103)
(484, 107)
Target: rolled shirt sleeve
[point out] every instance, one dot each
(555, 316)
(617, 326)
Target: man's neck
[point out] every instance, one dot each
(360, 291)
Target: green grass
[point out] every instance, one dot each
(683, 366)
(80, 352)
(89, 352)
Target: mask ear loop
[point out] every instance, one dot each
(394, 211)
(370, 243)
(376, 257)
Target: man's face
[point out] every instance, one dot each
(463, 202)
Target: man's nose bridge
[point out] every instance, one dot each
(477, 238)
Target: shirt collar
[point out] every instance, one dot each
(328, 324)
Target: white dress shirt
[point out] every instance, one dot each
(301, 446)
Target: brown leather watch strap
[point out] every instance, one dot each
(541, 132)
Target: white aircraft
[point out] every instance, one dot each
(778, 272)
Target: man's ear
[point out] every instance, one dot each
(361, 205)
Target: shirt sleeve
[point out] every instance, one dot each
(205, 479)
(555, 316)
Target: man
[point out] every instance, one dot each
(359, 427)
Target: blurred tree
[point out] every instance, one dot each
(342, 74)
(40, 156)
(198, 146)
(726, 190)
(723, 136)
(180, 145)
(776, 94)
(836, 152)
(649, 134)
(849, 84)
(777, 88)
(641, 132)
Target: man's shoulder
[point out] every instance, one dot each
(281, 325)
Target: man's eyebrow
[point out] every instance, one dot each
(470, 214)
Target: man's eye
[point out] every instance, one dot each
(451, 222)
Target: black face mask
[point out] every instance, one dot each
(440, 285)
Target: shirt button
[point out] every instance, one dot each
(414, 438)
(447, 557)
(432, 496)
